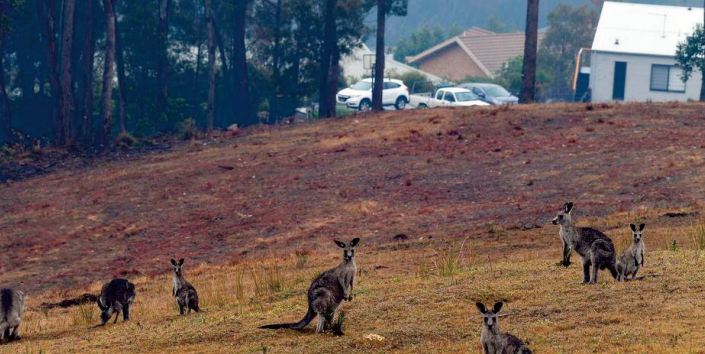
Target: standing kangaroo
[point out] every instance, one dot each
(493, 341)
(595, 248)
(11, 309)
(116, 296)
(633, 257)
(327, 291)
(184, 293)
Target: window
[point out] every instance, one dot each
(390, 85)
(667, 78)
(449, 97)
(439, 95)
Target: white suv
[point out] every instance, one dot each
(359, 95)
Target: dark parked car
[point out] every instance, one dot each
(491, 93)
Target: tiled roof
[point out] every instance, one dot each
(493, 50)
(488, 49)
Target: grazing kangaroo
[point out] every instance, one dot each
(11, 309)
(116, 296)
(493, 341)
(327, 291)
(633, 257)
(184, 293)
(595, 248)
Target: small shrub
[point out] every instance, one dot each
(83, 316)
(275, 282)
(239, 287)
(674, 246)
(697, 233)
(301, 258)
(187, 129)
(337, 325)
(449, 263)
(125, 141)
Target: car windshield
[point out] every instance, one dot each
(362, 86)
(465, 96)
(496, 91)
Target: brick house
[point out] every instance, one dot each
(476, 52)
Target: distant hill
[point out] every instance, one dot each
(461, 14)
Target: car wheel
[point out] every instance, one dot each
(365, 105)
(423, 106)
(401, 103)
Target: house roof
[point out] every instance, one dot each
(487, 49)
(352, 65)
(644, 29)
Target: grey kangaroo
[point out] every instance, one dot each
(11, 309)
(633, 257)
(495, 342)
(115, 297)
(595, 248)
(184, 293)
(327, 291)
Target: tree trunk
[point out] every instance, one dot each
(221, 46)
(528, 87)
(108, 74)
(333, 81)
(329, 44)
(274, 108)
(4, 101)
(46, 9)
(122, 80)
(163, 62)
(702, 71)
(211, 66)
(86, 109)
(379, 58)
(242, 108)
(67, 108)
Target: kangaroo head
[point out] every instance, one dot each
(490, 316)
(105, 311)
(637, 232)
(348, 249)
(564, 216)
(177, 266)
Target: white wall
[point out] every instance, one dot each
(638, 80)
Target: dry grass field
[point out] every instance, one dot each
(473, 191)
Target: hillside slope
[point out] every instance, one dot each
(472, 190)
(436, 173)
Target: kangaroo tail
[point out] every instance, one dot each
(310, 315)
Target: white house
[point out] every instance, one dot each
(633, 53)
(353, 66)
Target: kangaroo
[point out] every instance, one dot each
(493, 341)
(11, 309)
(595, 248)
(116, 296)
(327, 291)
(633, 257)
(184, 293)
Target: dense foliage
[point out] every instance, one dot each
(161, 67)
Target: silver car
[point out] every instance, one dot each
(491, 93)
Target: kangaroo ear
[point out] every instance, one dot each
(340, 244)
(568, 207)
(173, 262)
(641, 227)
(498, 307)
(181, 261)
(632, 226)
(481, 307)
(354, 242)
